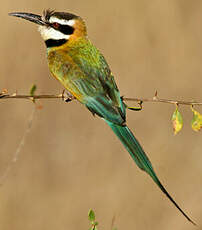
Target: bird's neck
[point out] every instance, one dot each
(63, 44)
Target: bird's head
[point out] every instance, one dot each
(56, 28)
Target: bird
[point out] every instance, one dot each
(84, 72)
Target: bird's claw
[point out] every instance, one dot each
(67, 96)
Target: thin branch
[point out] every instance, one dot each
(16, 154)
(29, 97)
(161, 100)
(67, 97)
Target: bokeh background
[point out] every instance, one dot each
(71, 161)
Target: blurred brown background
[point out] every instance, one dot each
(72, 162)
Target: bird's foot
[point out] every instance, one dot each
(67, 96)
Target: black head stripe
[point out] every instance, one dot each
(54, 43)
(61, 15)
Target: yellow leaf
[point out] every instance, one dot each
(177, 121)
(196, 122)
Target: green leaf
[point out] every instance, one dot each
(196, 122)
(177, 121)
(91, 215)
(32, 90)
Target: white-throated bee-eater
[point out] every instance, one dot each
(84, 72)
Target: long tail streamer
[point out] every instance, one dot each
(140, 158)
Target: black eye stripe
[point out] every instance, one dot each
(65, 29)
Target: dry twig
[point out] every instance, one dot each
(19, 148)
(66, 97)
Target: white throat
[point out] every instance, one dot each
(50, 33)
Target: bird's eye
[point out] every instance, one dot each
(55, 25)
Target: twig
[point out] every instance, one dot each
(67, 97)
(19, 148)
(169, 101)
(29, 97)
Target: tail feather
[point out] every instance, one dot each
(137, 153)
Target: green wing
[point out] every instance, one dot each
(97, 85)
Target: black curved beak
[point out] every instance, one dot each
(30, 17)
